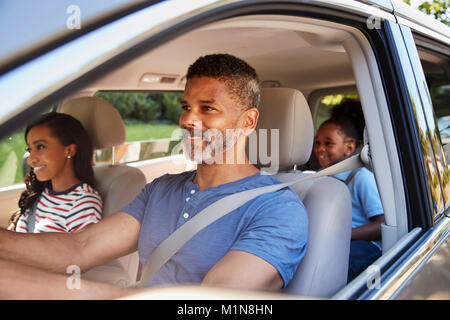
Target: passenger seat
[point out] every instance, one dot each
(117, 184)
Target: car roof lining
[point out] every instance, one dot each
(261, 38)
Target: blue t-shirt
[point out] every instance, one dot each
(273, 226)
(366, 201)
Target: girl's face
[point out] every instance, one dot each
(50, 159)
(331, 145)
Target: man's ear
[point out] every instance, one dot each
(250, 120)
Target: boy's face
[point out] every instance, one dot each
(331, 145)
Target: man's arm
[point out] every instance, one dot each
(96, 244)
(243, 270)
(18, 281)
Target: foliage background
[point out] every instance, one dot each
(439, 9)
(145, 107)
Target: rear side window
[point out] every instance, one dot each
(436, 66)
(440, 97)
(435, 61)
(326, 105)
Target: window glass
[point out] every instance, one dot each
(325, 106)
(150, 118)
(12, 150)
(440, 97)
(151, 122)
(436, 70)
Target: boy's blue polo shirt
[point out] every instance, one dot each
(273, 226)
(366, 202)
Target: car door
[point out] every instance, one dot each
(429, 279)
(414, 273)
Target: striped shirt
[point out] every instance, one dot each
(66, 211)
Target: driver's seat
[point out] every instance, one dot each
(323, 270)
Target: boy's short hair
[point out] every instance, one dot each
(239, 77)
(348, 115)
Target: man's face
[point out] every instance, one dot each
(211, 120)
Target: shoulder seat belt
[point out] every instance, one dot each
(221, 207)
(350, 176)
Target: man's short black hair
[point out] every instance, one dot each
(240, 78)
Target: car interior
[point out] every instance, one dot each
(299, 61)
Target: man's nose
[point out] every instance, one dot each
(190, 119)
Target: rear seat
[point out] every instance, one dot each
(323, 270)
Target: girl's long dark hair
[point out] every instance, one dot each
(69, 131)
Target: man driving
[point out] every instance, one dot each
(258, 246)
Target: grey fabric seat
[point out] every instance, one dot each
(323, 270)
(117, 184)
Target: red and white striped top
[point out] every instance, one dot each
(66, 211)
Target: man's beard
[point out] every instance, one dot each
(213, 152)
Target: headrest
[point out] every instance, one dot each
(101, 120)
(287, 110)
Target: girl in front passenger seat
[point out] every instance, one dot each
(335, 140)
(59, 196)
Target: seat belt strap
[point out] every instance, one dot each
(220, 208)
(350, 176)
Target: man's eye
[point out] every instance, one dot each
(207, 108)
(40, 147)
(184, 107)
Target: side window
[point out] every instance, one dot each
(326, 105)
(436, 66)
(440, 97)
(151, 120)
(435, 61)
(12, 150)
